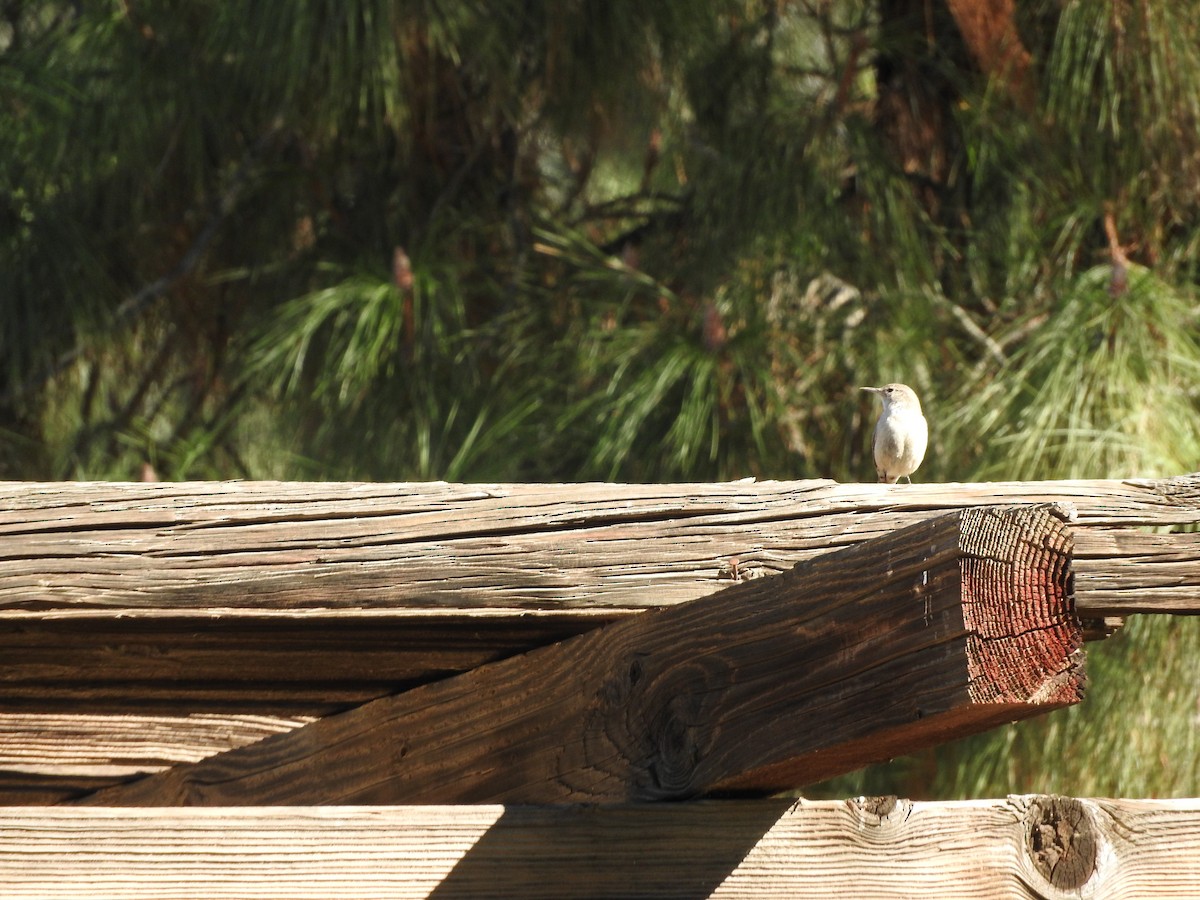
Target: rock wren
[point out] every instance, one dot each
(901, 433)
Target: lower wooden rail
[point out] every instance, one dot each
(1028, 846)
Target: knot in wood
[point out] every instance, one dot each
(878, 807)
(1062, 842)
(662, 721)
(676, 749)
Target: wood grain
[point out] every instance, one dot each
(335, 593)
(51, 757)
(1165, 567)
(220, 549)
(189, 662)
(879, 847)
(939, 630)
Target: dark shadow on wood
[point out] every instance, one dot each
(614, 852)
(318, 661)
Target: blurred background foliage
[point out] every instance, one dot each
(532, 240)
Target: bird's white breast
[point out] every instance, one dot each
(901, 439)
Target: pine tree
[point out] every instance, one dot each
(562, 240)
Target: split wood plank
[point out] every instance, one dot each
(216, 551)
(50, 757)
(933, 632)
(296, 549)
(1165, 567)
(116, 663)
(1027, 846)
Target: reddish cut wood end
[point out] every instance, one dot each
(1024, 641)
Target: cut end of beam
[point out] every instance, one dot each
(1024, 639)
(1020, 649)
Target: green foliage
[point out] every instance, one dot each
(496, 240)
(1106, 386)
(345, 348)
(1120, 88)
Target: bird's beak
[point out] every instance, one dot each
(871, 389)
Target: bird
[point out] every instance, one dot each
(901, 434)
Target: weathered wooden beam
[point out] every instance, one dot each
(1028, 846)
(50, 757)
(88, 704)
(110, 661)
(939, 630)
(293, 550)
(1166, 567)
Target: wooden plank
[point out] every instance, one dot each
(51, 757)
(880, 848)
(176, 588)
(87, 704)
(203, 686)
(933, 632)
(296, 550)
(323, 660)
(1165, 566)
